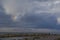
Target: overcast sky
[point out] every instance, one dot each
(35, 14)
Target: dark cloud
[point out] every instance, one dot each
(5, 20)
(29, 20)
(42, 20)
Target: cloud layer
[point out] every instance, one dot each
(18, 8)
(30, 13)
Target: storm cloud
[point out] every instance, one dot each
(30, 14)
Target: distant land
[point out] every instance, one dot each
(29, 36)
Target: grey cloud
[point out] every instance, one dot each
(5, 20)
(20, 7)
(27, 15)
(42, 20)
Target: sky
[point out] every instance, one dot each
(30, 14)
